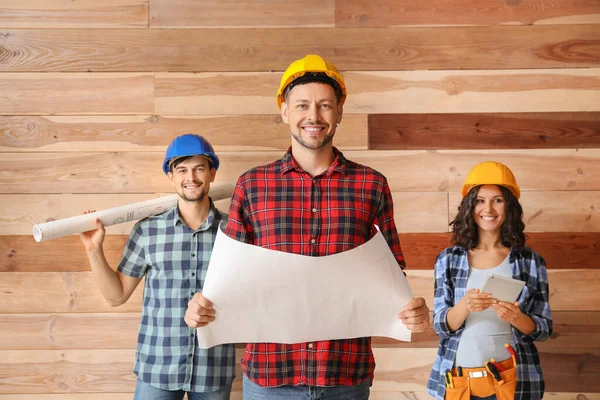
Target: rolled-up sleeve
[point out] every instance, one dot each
(443, 297)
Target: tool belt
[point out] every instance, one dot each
(483, 381)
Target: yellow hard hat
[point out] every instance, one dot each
(311, 63)
(491, 173)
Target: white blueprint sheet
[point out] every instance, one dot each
(263, 295)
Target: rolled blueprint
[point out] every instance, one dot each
(117, 215)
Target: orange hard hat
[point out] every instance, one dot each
(491, 173)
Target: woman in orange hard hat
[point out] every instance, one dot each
(487, 346)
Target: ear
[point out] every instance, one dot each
(284, 112)
(213, 174)
(171, 176)
(340, 109)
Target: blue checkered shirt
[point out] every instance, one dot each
(451, 274)
(174, 259)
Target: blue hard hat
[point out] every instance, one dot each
(189, 144)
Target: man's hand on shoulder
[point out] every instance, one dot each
(415, 315)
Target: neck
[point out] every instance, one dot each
(194, 213)
(489, 240)
(313, 161)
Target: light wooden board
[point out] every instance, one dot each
(553, 211)
(78, 93)
(531, 90)
(351, 49)
(154, 133)
(572, 330)
(234, 13)
(406, 170)
(20, 212)
(63, 292)
(92, 371)
(561, 250)
(364, 13)
(417, 212)
(74, 14)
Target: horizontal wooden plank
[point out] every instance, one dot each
(516, 91)
(84, 371)
(491, 131)
(553, 211)
(473, 91)
(561, 250)
(55, 93)
(232, 13)
(52, 292)
(351, 49)
(406, 170)
(66, 292)
(418, 212)
(21, 212)
(567, 288)
(153, 132)
(572, 330)
(74, 14)
(364, 13)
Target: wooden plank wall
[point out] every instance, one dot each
(92, 92)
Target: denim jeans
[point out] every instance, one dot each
(252, 391)
(145, 391)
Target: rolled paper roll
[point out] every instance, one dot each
(117, 215)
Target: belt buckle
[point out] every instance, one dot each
(478, 374)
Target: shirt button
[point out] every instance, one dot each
(314, 210)
(193, 255)
(192, 294)
(193, 274)
(313, 240)
(310, 345)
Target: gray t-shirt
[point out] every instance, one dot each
(485, 333)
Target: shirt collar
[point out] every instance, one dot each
(339, 165)
(210, 220)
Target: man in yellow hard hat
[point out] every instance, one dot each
(314, 202)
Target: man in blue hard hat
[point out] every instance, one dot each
(171, 250)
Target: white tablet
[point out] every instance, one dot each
(502, 288)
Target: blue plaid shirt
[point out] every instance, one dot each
(174, 259)
(451, 274)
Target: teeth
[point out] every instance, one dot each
(311, 129)
(489, 218)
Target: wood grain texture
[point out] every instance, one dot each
(535, 90)
(484, 131)
(56, 93)
(364, 13)
(561, 250)
(20, 212)
(406, 170)
(77, 331)
(233, 13)
(154, 133)
(89, 371)
(74, 14)
(419, 212)
(566, 288)
(553, 211)
(354, 49)
(495, 91)
(68, 292)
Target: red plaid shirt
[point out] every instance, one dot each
(281, 207)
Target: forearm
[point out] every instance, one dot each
(457, 315)
(107, 280)
(524, 324)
